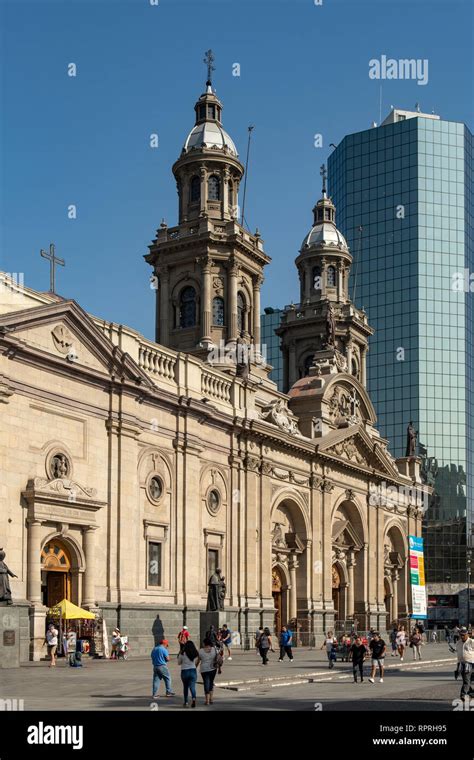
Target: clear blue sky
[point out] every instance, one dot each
(85, 140)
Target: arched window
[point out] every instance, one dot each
(214, 188)
(241, 310)
(187, 307)
(218, 311)
(331, 277)
(195, 189)
(355, 368)
(317, 278)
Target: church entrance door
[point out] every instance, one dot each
(55, 573)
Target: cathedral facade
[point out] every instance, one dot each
(132, 469)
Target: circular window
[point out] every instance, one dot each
(155, 488)
(213, 501)
(59, 466)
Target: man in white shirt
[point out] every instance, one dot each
(465, 652)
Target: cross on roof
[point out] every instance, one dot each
(209, 60)
(53, 260)
(323, 173)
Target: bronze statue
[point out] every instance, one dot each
(412, 435)
(330, 327)
(5, 590)
(215, 597)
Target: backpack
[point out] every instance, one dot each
(263, 641)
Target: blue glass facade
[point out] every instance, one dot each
(269, 321)
(409, 186)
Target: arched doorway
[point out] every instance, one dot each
(56, 576)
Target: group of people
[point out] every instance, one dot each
(209, 659)
(264, 644)
(400, 639)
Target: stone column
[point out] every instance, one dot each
(339, 281)
(323, 277)
(292, 369)
(34, 561)
(163, 296)
(88, 583)
(232, 289)
(203, 175)
(293, 566)
(225, 193)
(349, 347)
(363, 359)
(206, 298)
(257, 284)
(395, 578)
(350, 589)
(183, 193)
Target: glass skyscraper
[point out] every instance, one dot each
(404, 198)
(269, 321)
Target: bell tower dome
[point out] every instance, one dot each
(325, 328)
(208, 268)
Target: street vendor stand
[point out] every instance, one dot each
(71, 620)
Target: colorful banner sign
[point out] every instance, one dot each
(417, 578)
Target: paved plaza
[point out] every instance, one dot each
(305, 684)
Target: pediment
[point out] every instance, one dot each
(344, 535)
(64, 331)
(354, 445)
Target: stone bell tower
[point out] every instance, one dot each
(208, 268)
(325, 325)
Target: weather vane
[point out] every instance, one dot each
(323, 174)
(209, 60)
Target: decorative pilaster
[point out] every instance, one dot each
(34, 561)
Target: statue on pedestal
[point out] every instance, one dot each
(5, 590)
(330, 327)
(412, 435)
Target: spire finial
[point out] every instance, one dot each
(209, 60)
(323, 173)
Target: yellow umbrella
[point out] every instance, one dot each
(69, 611)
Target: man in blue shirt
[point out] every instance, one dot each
(160, 657)
(286, 643)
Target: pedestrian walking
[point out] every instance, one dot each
(52, 643)
(187, 660)
(357, 654)
(393, 640)
(415, 643)
(208, 662)
(225, 635)
(286, 644)
(213, 635)
(330, 644)
(183, 637)
(116, 643)
(401, 641)
(257, 638)
(465, 653)
(265, 645)
(434, 636)
(377, 648)
(160, 658)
